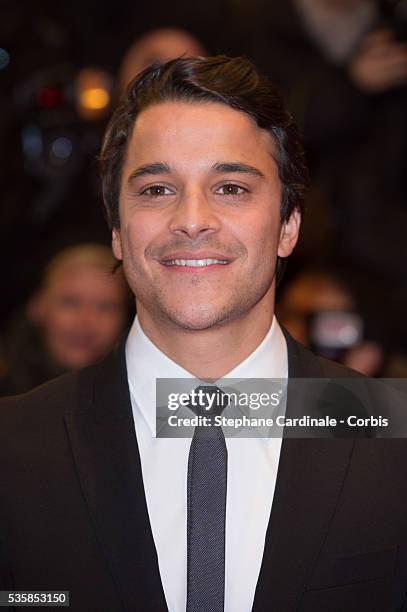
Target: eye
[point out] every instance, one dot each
(230, 189)
(68, 301)
(156, 191)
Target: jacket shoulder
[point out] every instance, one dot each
(303, 363)
(42, 405)
(333, 369)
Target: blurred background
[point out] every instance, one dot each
(342, 66)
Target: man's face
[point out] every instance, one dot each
(200, 215)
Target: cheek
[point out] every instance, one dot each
(59, 322)
(137, 235)
(110, 324)
(261, 241)
(138, 240)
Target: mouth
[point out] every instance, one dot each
(195, 263)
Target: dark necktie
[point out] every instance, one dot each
(206, 512)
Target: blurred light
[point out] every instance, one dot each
(336, 329)
(61, 150)
(94, 98)
(93, 93)
(348, 335)
(50, 97)
(32, 141)
(4, 59)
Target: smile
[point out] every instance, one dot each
(194, 262)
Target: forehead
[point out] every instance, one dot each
(196, 134)
(83, 278)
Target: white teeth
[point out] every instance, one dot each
(194, 262)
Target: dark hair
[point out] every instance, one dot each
(231, 81)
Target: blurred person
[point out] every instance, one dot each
(331, 311)
(343, 67)
(310, 291)
(203, 174)
(359, 40)
(73, 320)
(156, 46)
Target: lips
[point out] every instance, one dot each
(196, 263)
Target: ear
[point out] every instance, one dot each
(289, 234)
(117, 243)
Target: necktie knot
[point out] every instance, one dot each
(208, 401)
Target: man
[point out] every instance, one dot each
(203, 175)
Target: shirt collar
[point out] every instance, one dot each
(145, 362)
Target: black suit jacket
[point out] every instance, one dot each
(74, 516)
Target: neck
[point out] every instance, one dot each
(211, 353)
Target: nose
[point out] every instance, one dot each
(194, 216)
(87, 319)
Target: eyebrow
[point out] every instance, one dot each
(158, 168)
(225, 167)
(150, 169)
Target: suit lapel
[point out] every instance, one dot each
(105, 450)
(309, 480)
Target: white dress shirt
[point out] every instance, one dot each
(252, 472)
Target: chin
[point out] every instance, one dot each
(76, 362)
(199, 319)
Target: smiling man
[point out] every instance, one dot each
(203, 175)
(200, 232)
